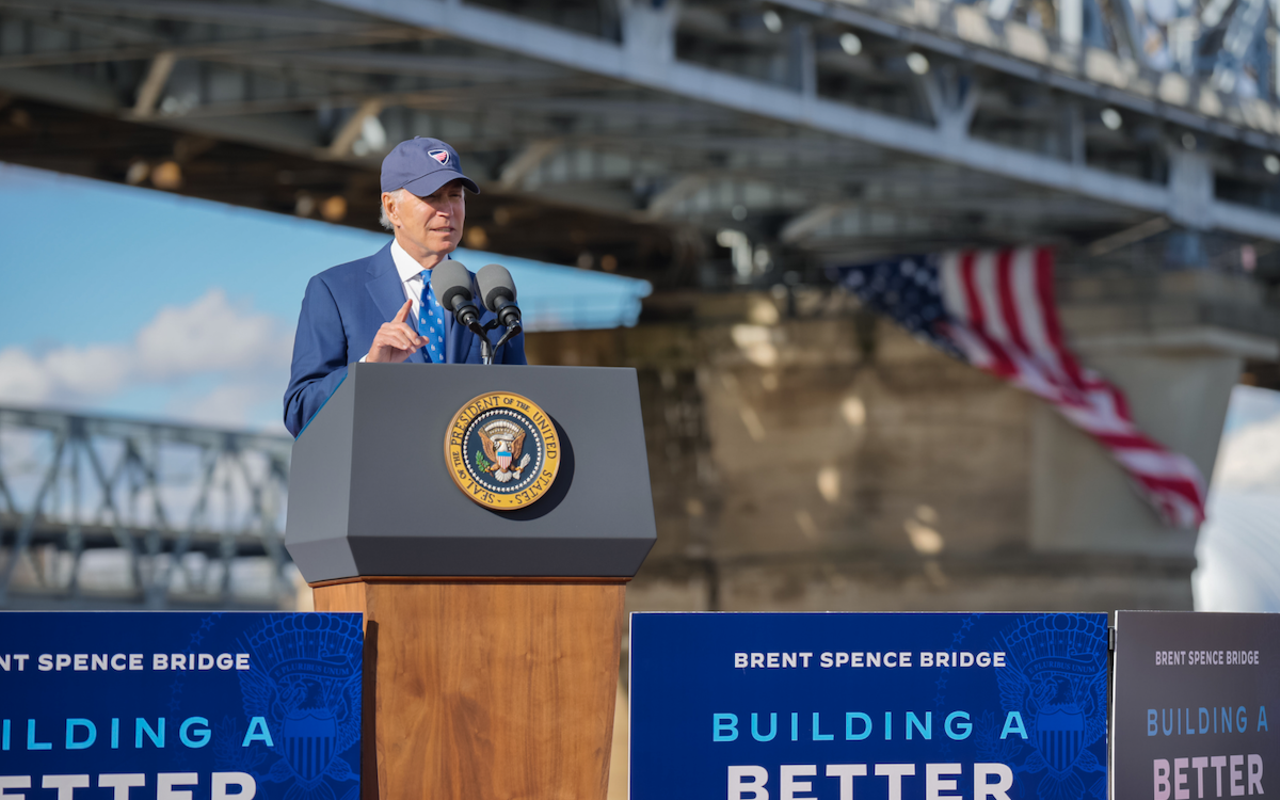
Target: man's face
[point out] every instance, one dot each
(431, 225)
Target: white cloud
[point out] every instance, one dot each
(22, 378)
(88, 371)
(229, 404)
(209, 335)
(64, 374)
(248, 354)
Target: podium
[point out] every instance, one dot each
(492, 635)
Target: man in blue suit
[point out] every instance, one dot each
(381, 308)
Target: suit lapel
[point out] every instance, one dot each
(388, 292)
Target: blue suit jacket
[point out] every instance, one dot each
(341, 313)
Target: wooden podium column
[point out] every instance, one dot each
(485, 688)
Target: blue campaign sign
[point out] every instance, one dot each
(844, 706)
(180, 706)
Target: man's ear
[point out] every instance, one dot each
(390, 208)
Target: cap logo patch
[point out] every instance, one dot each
(439, 155)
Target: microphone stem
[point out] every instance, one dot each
(486, 347)
(513, 330)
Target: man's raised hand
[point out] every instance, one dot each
(395, 341)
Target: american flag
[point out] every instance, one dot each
(994, 309)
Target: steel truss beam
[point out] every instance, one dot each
(624, 61)
(180, 509)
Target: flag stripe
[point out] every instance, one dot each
(1026, 276)
(972, 347)
(971, 314)
(984, 278)
(1001, 362)
(954, 295)
(1008, 307)
(977, 276)
(1049, 309)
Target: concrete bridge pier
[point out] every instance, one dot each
(828, 461)
(1176, 343)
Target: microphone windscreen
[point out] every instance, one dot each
(451, 282)
(495, 283)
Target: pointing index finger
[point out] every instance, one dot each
(403, 313)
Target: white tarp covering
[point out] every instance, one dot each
(1239, 545)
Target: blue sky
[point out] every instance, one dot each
(145, 303)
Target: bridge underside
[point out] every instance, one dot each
(696, 144)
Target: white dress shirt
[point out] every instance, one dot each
(410, 278)
(410, 272)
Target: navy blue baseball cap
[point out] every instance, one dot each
(422, 166)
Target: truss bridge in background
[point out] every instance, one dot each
(102, 512)
(700, 143)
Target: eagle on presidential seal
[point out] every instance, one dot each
(1056, 679)
(306, 685)
(503, 442)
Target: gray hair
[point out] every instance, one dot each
(382, 210)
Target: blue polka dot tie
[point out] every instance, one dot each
(431, 320)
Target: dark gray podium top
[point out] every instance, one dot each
(370, 495)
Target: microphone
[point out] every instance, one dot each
(498, 292)
(452, 285)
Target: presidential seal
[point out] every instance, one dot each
(502, 450)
